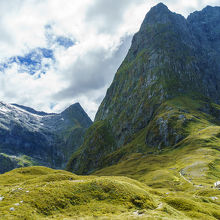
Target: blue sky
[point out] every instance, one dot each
(31, 62)
(54, 53)
(38, 60)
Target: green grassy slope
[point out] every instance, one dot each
(187, 170)
(186, 175)
(174, 121)
(160, 193)
(43, 193)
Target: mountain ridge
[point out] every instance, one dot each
(44, 137)
(31, 110)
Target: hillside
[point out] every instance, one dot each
(43, 193)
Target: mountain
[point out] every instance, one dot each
(168, 83)
(29, 137)
(154, 148)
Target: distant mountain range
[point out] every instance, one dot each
(30, 137)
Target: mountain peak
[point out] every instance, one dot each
(169, 58)
(77, 111)
(31, 110)
(47, 138)
(77, 105)
(160, 14)
(160, 6)
(73, 107)
(211, 8)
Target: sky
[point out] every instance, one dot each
(54, 53)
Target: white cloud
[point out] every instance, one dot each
(102, 30)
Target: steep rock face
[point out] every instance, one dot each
(160, 65)
(205, 27)
(166, 60)
(48, 139)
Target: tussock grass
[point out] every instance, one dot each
(47, 193)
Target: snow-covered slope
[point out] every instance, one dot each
(48, 139)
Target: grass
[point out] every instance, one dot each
(102, 142)
(186, 174)
(45, 193)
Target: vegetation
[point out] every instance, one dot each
(165, 190)
(43, 193)
(100, 139)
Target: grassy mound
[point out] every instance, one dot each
(44, 193)
(39, 193)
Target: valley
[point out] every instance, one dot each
(153, 150)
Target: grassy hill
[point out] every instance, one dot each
(160, 193)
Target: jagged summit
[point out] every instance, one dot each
(159, 8)
(74, 107)
(208, 12)
(208, 18)
(211, 8)
(160, 14)
(77, 111)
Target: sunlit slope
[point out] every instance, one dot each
(43, 193)
(186, 175)
(39, 193)
(185, 172)
(178, 122)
